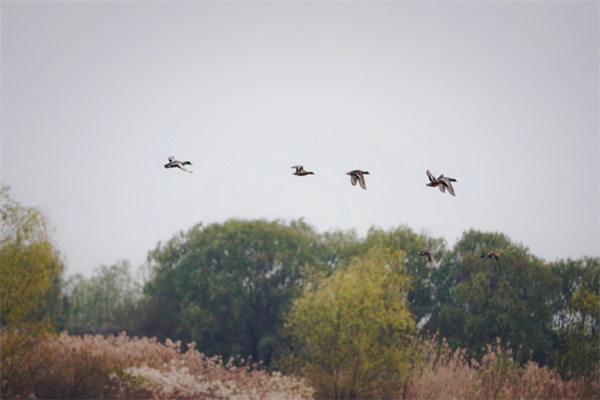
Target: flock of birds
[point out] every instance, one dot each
(358, 176)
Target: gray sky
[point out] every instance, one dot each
(501, 96)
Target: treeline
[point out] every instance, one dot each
(346, 310)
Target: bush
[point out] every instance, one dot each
(121, 367)
(444, 373)
(51, 367)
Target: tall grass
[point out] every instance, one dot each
(443, 373)
(122, 367)
(70, 367)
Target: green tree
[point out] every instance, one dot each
(577, 321)
(479, 299)
(421, 292)
(353, 327)
(227, 286)
(105, 303)
(30, 265)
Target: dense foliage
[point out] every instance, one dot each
(354, 328)
(354, 307)
(227, 286)
(478, 299)
(108, 302)
(30, 266)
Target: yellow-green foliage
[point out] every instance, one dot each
(29, 262)
(353, 327)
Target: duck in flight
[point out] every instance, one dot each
(426, 254)
(300, 171)
(443, 182)
(358, 176)
(173, 163)
(495, 255)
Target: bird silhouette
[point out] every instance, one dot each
(358, 176)
(173, 163)
(495, 255)
(426, 254)
(300, 171)
(442, 182)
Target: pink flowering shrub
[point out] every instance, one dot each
(122, 367)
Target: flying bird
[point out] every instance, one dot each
(426, 254)
(358, 176)
(442, 182)
(173, 163)
(495, 255)
(300, 171)
(446, 182)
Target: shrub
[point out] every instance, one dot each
(51, 367)
(444, 373)
(122, 367)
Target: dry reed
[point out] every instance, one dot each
(444, 373)
(66, 366)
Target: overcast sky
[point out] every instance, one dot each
(501, 96)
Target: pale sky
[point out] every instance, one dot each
(501, 96)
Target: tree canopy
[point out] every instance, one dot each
(30, 264)
(352, 328)
(104, 303)
(227, 286)
(478, 299)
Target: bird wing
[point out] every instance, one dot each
(431, 177)
(353, 179)
(446, 182)
(183, 168)
(450, 188)
(361, 181)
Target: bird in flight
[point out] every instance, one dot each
(443, 182)
(300, 171)
(426, 254)
(173, 163)
(358, 176)
(495, 255)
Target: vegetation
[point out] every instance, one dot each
(353, 328)
(105, 303)
(30, 266)
(477, 300)
(227, 286)
(341, 316)
(444, 373)
(94, 367)
(577, 321)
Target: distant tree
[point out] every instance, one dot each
(478, 299)
(104, 303)
(30, 264)
(339, 247)
(226, 286)
(421, 291)
(352, 328)
(577, 321)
